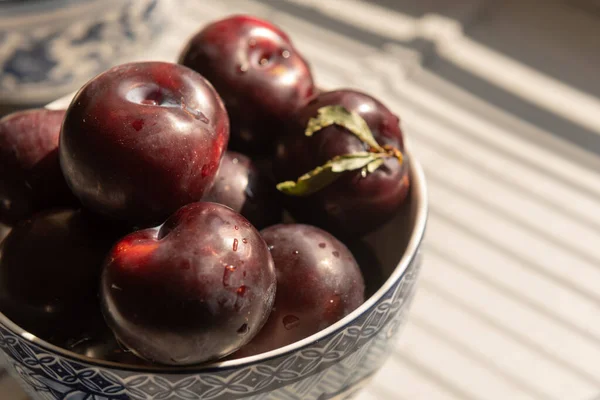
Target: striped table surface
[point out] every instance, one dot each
(500, 100)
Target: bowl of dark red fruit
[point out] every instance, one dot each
(215, 228)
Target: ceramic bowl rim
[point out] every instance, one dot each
(416, 237)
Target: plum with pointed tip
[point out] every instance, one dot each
(194, 289)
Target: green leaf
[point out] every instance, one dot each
(328, 173)
(338, 115)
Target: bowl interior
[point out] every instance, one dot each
(380, 253)
(383, 256)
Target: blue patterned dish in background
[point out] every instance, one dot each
(49, 48)
(332, 364)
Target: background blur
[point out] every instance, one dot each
(500, 102)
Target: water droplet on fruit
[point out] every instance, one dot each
(229, 269)
(336, 254)
(322, 245)
(243, 329)
(264, 61)
(242, 69)
(236, 227)
(271, 247)
(235, 244)
(138, 124)
(285, 53)
(244, 240)
(295, 252)
(241, 291)
(235, 161)
(290, 322)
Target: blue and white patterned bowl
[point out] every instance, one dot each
(49, 48)
(332, 364)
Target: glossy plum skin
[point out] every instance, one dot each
(262, 78)
(318, 283)
(353, 205)
(30, 175)
(50, 268)
(242, 186)
(212, 284)
(143, 139)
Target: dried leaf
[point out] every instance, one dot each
(338, 115)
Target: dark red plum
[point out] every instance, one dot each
(30, 175)
(195, 289)
(356, 203)
(260, 75)
(50, 268)
(318, 283)
(241, 185)
(143, 139)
